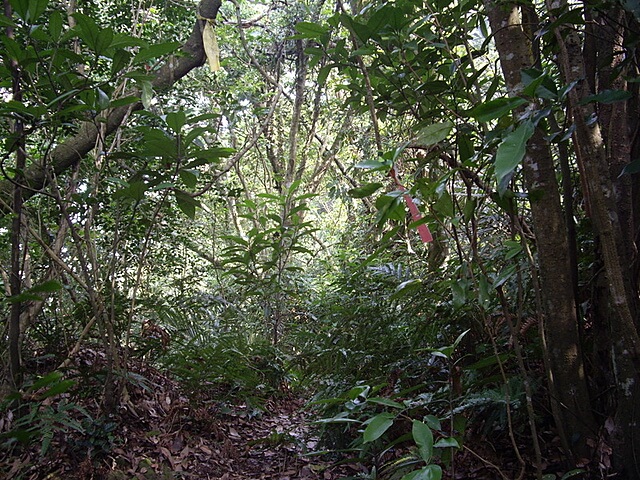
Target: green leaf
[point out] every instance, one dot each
(60, 387)
(406, 287)
(430, 472)
(607, 96)
(423, 437)
(433, 422)
(36, 8)
(483, 292)
(459, 292)
(373, 165)
(120, 102)
(21, 8)
(176, 120)
(505, 275)
(6, 22)
(48, 286)
(432, 134)
(186, 203)
(511, 151)
(189, 177)
(377, 426)
(88, 30)
(631, 168)
(573, 473)
(495, 108)
(45, 380)
(310, 30)
(55, 25)
(32, 293)
(364, 190)
(448, 442)
(385, 401)
(155, 51)
(147, 93)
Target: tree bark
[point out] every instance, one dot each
(569, 394)
(598, 158)
(74, 149)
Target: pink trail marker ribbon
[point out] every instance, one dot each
(423, 230)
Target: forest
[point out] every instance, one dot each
(315, 239)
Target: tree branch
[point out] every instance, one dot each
(74, 149)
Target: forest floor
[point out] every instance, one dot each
(159, 432)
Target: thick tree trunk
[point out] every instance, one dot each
(598, 159)
(567, 384)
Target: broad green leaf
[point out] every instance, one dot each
(155, 51)
(514, 249)
(444, 205)
(360, 30)
(21, 8)
(459, 293)
(310, 30)
(432, 134)
(202, 118)
(430, 472)
(377, 427)
(435, 87)
(32, 293)
(122, 40)
(121, 59)
(385, 401)
(120, 102)
(364, 190)
(607, 96)
(423, 437)
(406, 287)
(186, 203)
(483, 292)
(55, 25)
(511, 151)
(48, 286)
(176, 120)
(631, 168)
(495, 108)
(448, 442)
(36, 8)
(573, 473)
(6, 22)
(45, 380)
(88, 30)
(134, 191)
(373, 165)
(433, 422)
(504, 275)
(189, 177)
(12, 48)
(58, 388)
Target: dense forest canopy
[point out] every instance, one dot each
(418, 216)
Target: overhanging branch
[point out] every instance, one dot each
(75, 148)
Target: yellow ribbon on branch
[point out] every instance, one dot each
(211, 45)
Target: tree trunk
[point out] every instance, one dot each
(598, 158)
(569, 394)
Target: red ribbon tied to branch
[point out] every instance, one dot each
(423, 230)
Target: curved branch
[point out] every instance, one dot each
(75, 148)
